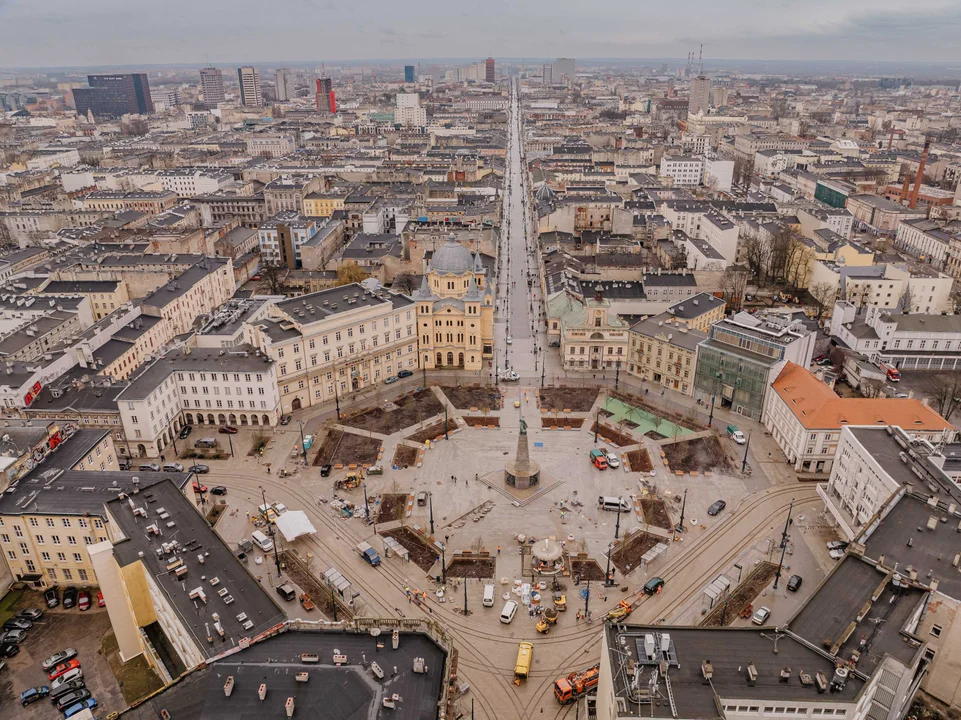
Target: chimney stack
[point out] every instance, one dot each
(920, 176)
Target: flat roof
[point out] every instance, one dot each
(348, 692)
(197, 538)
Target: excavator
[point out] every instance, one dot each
(577, 684)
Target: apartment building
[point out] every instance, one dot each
(250, 92)
(663, 350)
(105, 296)
(147, 202)
(320, 204)
(887, 285)
(194, 181)
(196, 291)
(282, 237)
(880, 213)
(806, 417)
(926, 240)
(590, 335)
(287, 193)
(202, 386)
(335, 342)
(272, 145)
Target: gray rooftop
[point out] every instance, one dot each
(240, 359)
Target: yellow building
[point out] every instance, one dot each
(323, 204)
(455, 310)
(105, 295)
(663, 349)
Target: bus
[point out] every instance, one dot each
(525, 653)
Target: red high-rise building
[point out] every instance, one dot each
(326, 97)
(489, 70)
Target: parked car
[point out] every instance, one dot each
(761, 615)
(325, 470)
(59, 657)
(65, 701)
(199, 488)
(613, 460)
(794, 584)
(716, 507)
(52, 597)
(100, 601)
(836, 553)
(227, 430)
(510, 340)
(69, 677)
(218, 490)
(17, 624)
(31, 614)
(8, 650)
(285, 419)
(199, 469)
(123, 464)
(13, 636)
(27, 697)
(150, 467)
(64, 667)
(83, 601)
(63, 688)
(837, 545)
(89, 703)
(404, 374)
(185, 431)
(391, 380)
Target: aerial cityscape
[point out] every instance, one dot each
(495, 375)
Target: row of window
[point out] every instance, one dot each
(81, 522)
(783, 710)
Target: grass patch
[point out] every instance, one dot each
(135, 677)
(7, 603)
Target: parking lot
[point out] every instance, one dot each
(59, 629)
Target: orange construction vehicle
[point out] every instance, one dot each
(577, 684)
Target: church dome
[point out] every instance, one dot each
(451, 259)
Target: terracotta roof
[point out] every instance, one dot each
(816, 406)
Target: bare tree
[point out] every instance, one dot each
(350, 272)
(405, 283)
(777, 253)
(756, 253)
(823, 294)
(734, 285)
(272, 275)
(907, 299)
(944, 390)
(838, 356)
(871, 388)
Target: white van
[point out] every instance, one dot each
(509, 611)
(488, 596)
(262, 541)
(613, 503)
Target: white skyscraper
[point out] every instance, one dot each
(409, 112)
(212, 86)
(250, 94)
(563, 71)
(284, 84)
(700, 100)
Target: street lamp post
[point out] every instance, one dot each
(303, 443)
(746, 446)
(443, 559)
(617, 373)
(366, 502)
(608, 578)
(710, 419)
(430, 500)
(780, 565)
(680, 524)
(617, 527)
(270, 531)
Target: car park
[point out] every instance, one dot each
(52, 597)
(227, 430)
(794, 584)
(404, 374)
(716, 507)
(218, 490)
(8, 650)
(13, 636)
(761, 615)
(391, 380)
(285, 419)
(69, 677)
(185, 431)
(31, 614)
(199, 469)
(17, 624)
(64, 667)
(59, 657)
(34, 694)
(88, 704)
(65, 701)
(83, 600)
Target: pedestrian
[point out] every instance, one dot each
(498, 549)
(248, 516)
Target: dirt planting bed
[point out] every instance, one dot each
(465, 397)
(568, 398)
(640, 460)
(404, 456)
(617, 438)
(402, 413)
(684, 419)
(587, 569)
(421, 553)
(703, 454)
(393, 506)
(655, 435)
(745, 594)
(563, 422)
(655, 512)
(479, 421)
(472, 567)
(342, 448)
(627, 556)
(432, 432)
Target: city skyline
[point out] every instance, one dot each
(116, 34)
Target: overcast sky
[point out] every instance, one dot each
(130, 32)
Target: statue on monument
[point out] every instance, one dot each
(523, 427)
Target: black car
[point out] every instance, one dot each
(325, 470)
(17, 624)
(31, 614)
(285, 419)
(52, 597)
(794, 584)
(404, 373)
(124, 464)
(716, 507)
(185, 431)
(69, 597)
(199, 469)
(8, 650)
(218, 490)
(67, 687)
(65, 701)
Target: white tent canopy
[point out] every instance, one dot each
(294, 523)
